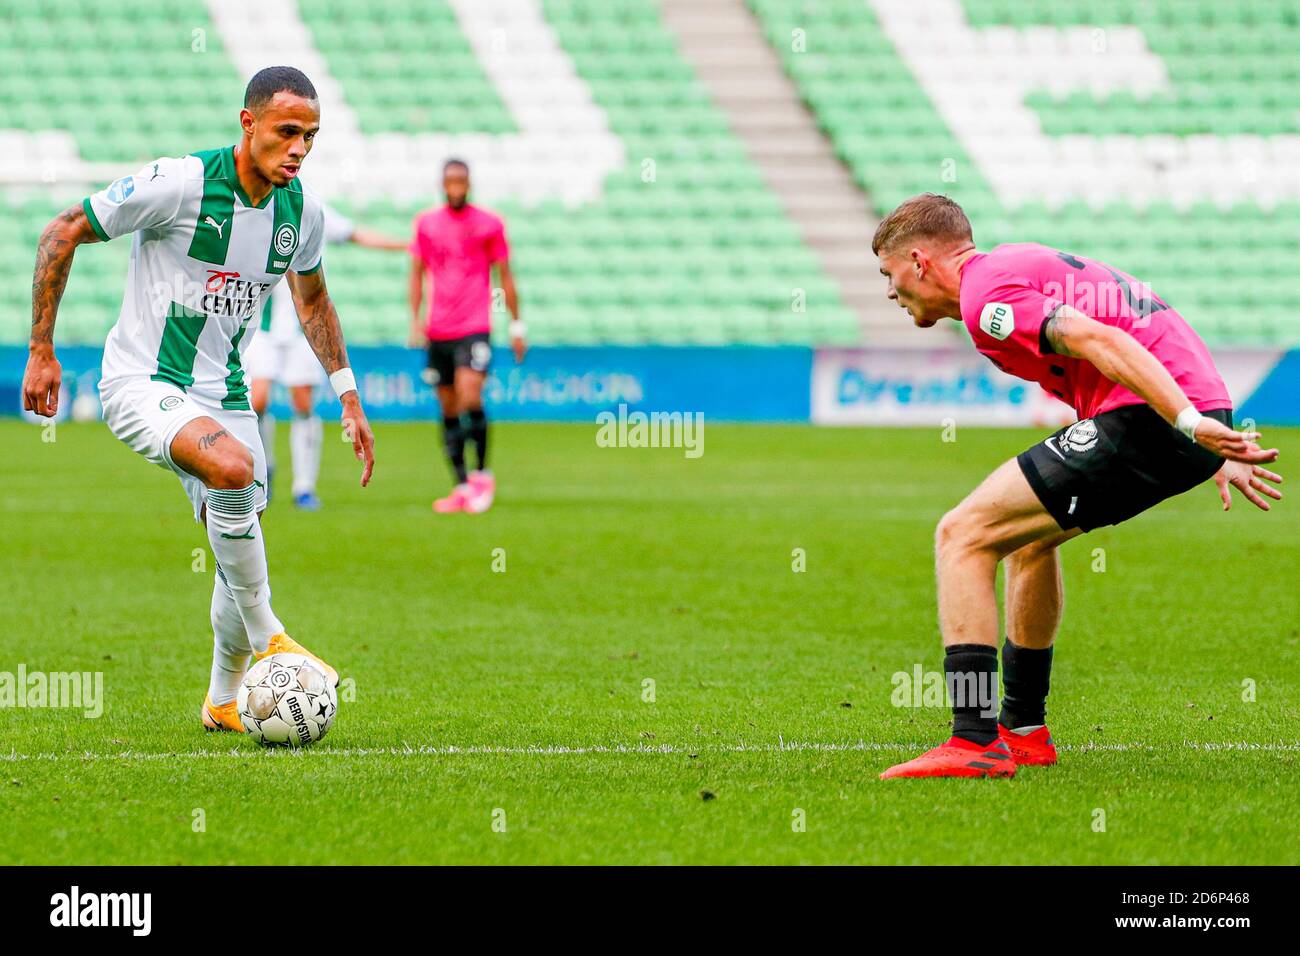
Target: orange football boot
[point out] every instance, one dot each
(958, 758)
(225, 717)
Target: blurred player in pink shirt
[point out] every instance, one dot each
(1155, 420)
(456, 246)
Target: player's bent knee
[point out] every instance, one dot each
(232, 469)
(952, 532)
(960, 531)
(209, 452)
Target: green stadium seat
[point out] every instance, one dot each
(702, 255)
(1234, 68)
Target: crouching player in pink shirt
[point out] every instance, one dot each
(1155, 420)
(456, 246)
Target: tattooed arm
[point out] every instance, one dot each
(319, 319)
(320, 323)
(58, 242)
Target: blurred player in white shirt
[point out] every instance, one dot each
(281, 353)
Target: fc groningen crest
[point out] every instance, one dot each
(286, 240)
(285, 232)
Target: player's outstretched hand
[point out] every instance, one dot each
(1232, 445)
(357, 429)
(520, 348)
(1249, 480)
(41, 382)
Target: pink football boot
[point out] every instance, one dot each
(458, 500)
(483, 489)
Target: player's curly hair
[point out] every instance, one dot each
(274, 79)
(928, 216)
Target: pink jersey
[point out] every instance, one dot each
(459, 246)
(1008, 294)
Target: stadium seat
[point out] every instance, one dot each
(1232, 70)
(700, 252)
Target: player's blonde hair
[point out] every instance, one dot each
(927, 216)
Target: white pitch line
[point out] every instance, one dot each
(662, 749)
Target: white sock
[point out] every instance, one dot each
(1026, 731)
(236, 538)
(230, 649)
(266, 428)
(305, 432)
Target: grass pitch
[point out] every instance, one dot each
(506, 716)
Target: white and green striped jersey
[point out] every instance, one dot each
(203, 261)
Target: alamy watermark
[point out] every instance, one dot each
(82, 690)
(651, 430)
(1118, 296)
(75, 908)
(922, 688)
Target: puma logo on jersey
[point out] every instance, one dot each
(216, 225)
(156, 174)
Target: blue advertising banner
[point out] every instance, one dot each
(79, 396)
(736, 383)
(928, 387)
(924, 387)
(1276, 399)
(729, 383)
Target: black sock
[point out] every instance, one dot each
(453, 436)
(971, 674)
(478, 435)
(1026, 674)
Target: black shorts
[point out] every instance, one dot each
(1106, 469)
(445, 356)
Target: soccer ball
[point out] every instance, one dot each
(286, 700)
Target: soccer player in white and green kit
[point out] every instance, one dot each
(213, 233)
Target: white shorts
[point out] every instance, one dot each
(146, 415)
(290, 361)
